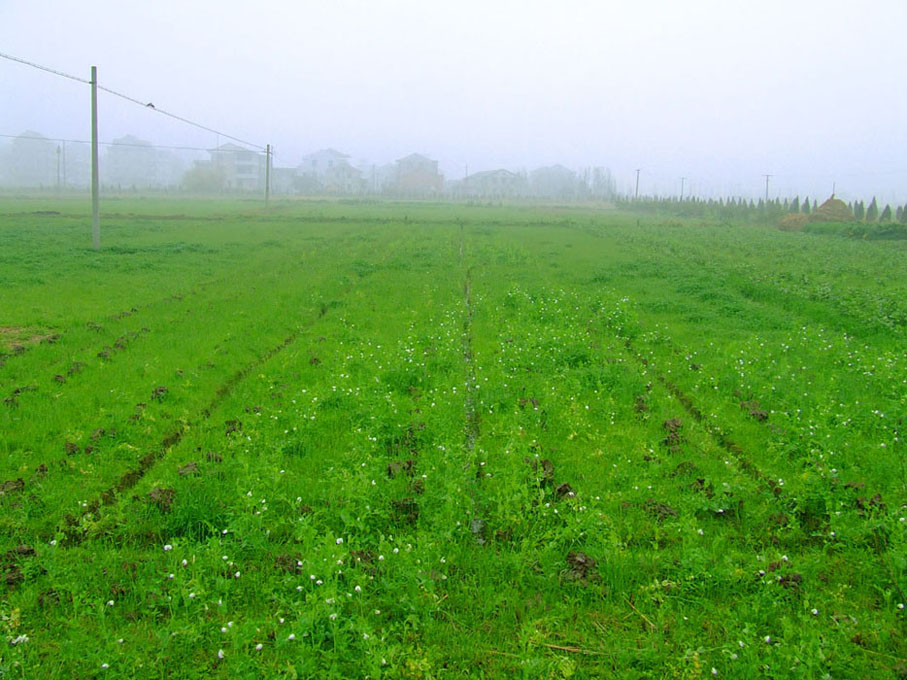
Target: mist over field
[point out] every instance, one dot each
(717, 93)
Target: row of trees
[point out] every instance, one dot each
(742, 209)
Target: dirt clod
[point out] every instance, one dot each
(755, 410)
(660, 511)
(700, 485)
(397, 467)
(683, 468)
(12, 486)
(674, 438)
(867, 506)
(580, 567)
(162, 498)
(190, 468)
(543, 468)
(21, 550)
(565, 490)
(291, 564)
(792, 581)
(405, 510)
(13, 575)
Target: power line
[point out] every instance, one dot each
(85, 141)
(44, 68)
(144, 105)
(150, 145)
(149, 105)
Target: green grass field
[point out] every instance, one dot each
(349, 440)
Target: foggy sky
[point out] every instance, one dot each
(719, 92)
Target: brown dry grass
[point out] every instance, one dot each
(17, 338)
(792, 222)
(833, 210)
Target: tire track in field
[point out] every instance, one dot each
(472, 416)
(471, 424)
(121, 343)
(131, 478)
(717, 434)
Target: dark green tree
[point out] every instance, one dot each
(872, 212)
(859, 211)
(886, 214)
(904, 215)
(805, 207)
(899, 214)
(794, 206)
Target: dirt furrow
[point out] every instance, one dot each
(717, 434)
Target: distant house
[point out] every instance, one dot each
(328, 171)
(320, 162)
(417, 175)
(494, 184)
(343, 178)
(242, 169)
(554, 181)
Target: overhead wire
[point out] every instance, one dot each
(114, 143)
(144, 105)
(44, 68)
(152, 107)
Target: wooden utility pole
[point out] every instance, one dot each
(267, 179)
(95, 195)
(682, 180)
(636, 197)
(766, 188)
